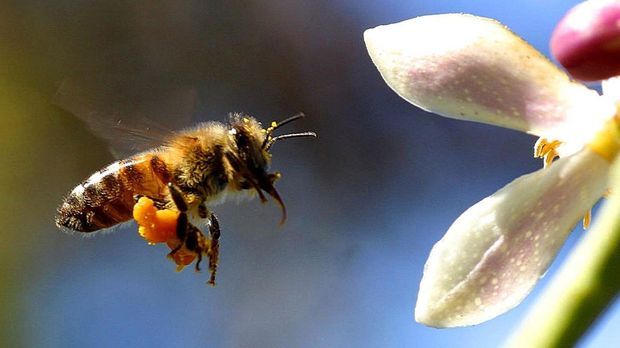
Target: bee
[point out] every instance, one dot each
(193, 170)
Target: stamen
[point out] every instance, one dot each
(586, 219)
(547, 150)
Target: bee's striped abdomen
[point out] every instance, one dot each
(107, 197)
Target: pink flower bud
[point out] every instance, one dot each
(587, 40)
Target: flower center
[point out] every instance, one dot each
(607, 142)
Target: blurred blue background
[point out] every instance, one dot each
(367, 199)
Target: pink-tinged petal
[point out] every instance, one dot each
(496, 251)
(587, 40)
(474, 68)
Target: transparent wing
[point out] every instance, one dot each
(131, 116)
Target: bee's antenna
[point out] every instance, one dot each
(271, 141)
(286, 121)
(276, 125)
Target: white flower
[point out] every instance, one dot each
(472, 68)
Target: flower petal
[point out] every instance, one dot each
(496, 251)
(475, 69)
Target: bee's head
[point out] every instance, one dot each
(252, 158)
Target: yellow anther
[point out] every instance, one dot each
(547, 150)
(586, 219)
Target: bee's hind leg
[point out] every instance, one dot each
(182, 221)
(192, 238)
(159, 204)
(177, 198)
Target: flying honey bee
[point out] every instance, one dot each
(192, 170)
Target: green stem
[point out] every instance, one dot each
(585, 286)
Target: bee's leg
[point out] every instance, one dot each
(177, 198)
(202, 210)
(159, 204)
(182, 221)
(214, 250)
(192, 238)
(174, 251)
(211, 247)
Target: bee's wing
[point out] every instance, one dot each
(130, 122)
